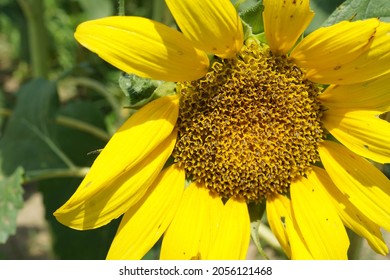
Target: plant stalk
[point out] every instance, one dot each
(37, 36)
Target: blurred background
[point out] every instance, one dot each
(59, 104)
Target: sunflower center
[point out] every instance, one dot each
(250, 126)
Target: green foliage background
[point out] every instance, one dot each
(59, 103)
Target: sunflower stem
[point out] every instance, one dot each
(258, 231)
(83, 126)
(355, 246)
(37, 175)
(33, 10)
(267, 235)
(158, 10)
(256, 239)
(103, 91)
(121, 8)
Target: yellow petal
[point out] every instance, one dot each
(143, 47)
(360, 131)
(278, 210)
(370, 95)
(351, 216)
(233, 235)
(375, 62)
(365, 186)
(95, 207)
(372, 63)
(212, 26)
(318, 220)
(284, 23)
(194, 227)
(286, 231)
(144, 223)
(329, 48)
(135, 140)
(299, 249)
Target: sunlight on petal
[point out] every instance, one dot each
(134, 140)
(317, 219)
(278, 210)
(371, 95)
(351, 69)
(88, 209)
(299, 249)
(212, 26)
(333, 46)
(367, 188)
(194, 227)
(143, 47)
(233, 234)
(284, 23)
(285, 229)
(363, 132)
(144, 223)
(351, 216)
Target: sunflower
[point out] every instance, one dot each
(293, 124)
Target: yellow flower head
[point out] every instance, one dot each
(290, 125)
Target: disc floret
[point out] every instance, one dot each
(250, 126)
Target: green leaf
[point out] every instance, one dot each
(322, 9)
(360, 9)
(141, 91)
(79, 145)
(253, 18)
(138, 90)
(11, 201)
(27, 144)
(28, 139)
